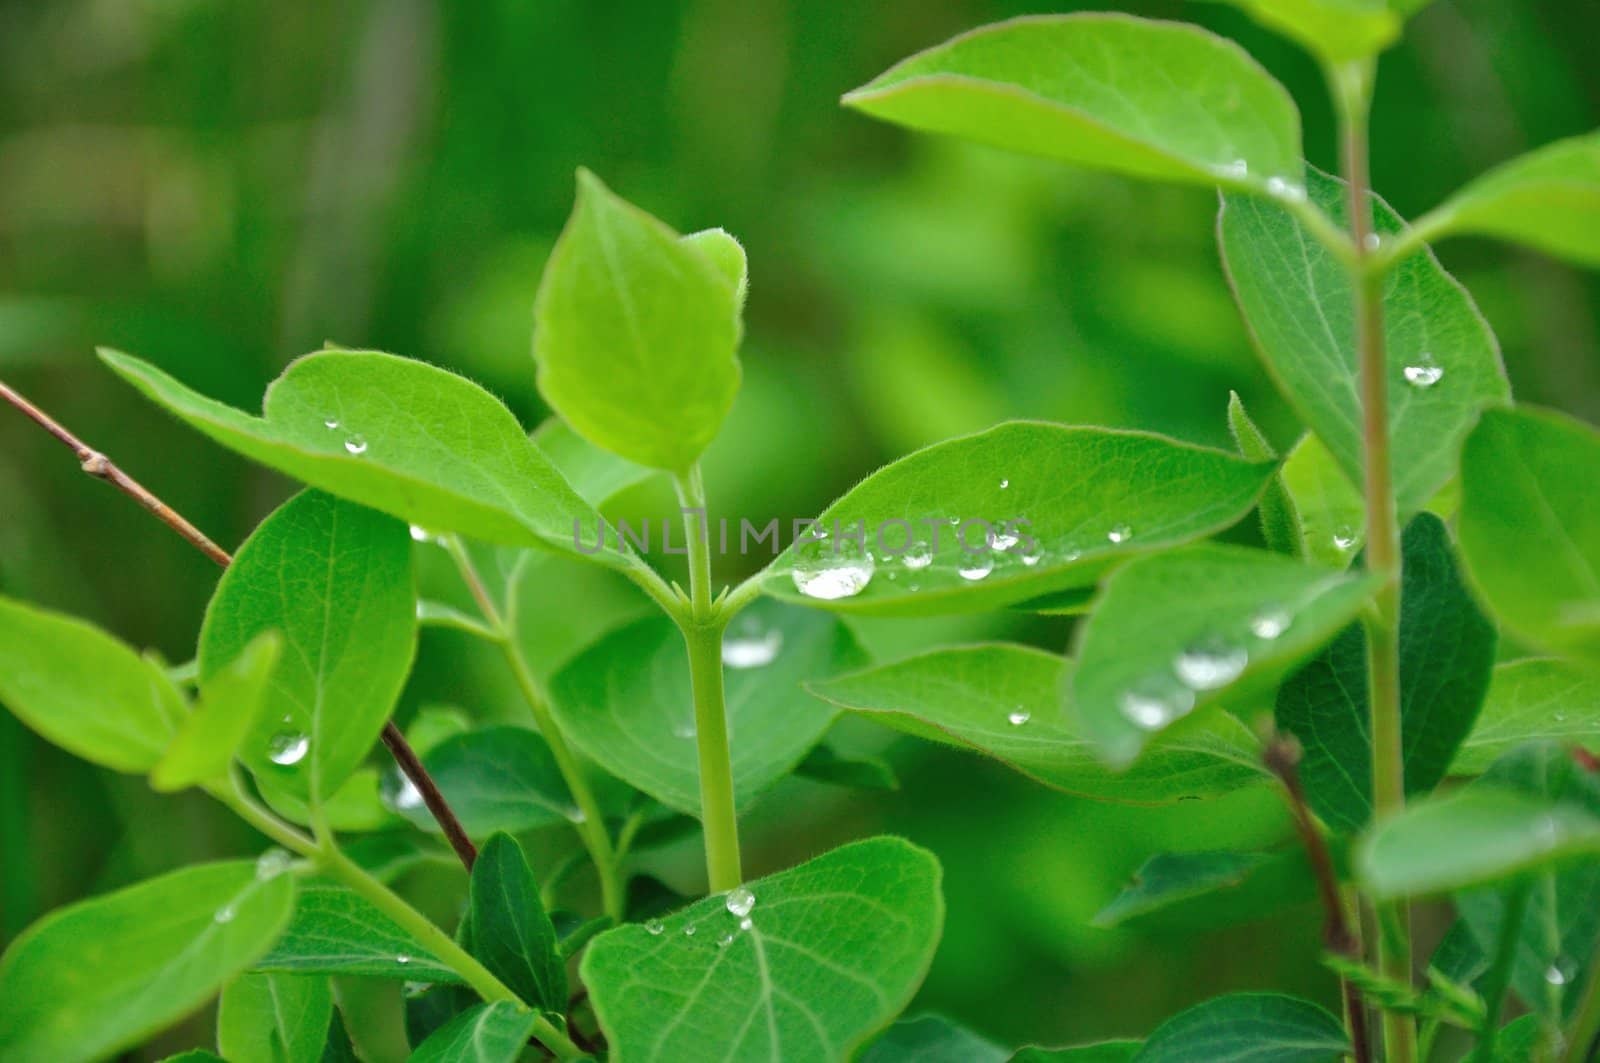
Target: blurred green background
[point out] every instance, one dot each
(219, 187)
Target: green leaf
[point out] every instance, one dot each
(410, 439)
(1248, 1028)
(1561, 922)
(826, 764)
(1178, 631)
(357, 805)
(1447, 652)
(1329, 510)
(932, 1039)
(274, 1018)
(1532, 700)
(636, 331)
(336, 931)
(334, 579)
(106, 973)
(834, 950)
(1077, 500)
(1168, 878)
(1548, 199)
(495, 778)
(1078, 88)
(1444, 363)
(1103, 1052)
(968, 696)
(597, 475)
(1335, 31)
(626, 702)
(229, 705)
(1530, 526)
(83, 690)
(511, 933)
(484, 1033)
(1471, 837)
(195, 1055)
(1279, 523)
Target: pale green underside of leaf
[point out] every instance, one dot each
(334, 580)
(967, 696)
(636, 331)
(83, 690)
(274, 1018)
(626, 702)
(835, 950)
(1248, 1028)
(1548, 199)
(484, 1033)
(1334, 30)
(410, 439)
(1168, 878)
(1151, 99)
(1532, 700)
(1163, 620)
(1297, 300)
(1090, 497)
(106, 973)
(229, 705)
(335, 931)
(1530, 526)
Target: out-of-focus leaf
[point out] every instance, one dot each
(1168, 878)
(932, 1039)
(274, 1018)
(1279, 525)
(1531, 700)
(338, 932)
(228, 707)
(1336, 31)
(1248, 1028)
(1330, 514)
(484, 1033)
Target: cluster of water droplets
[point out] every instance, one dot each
(1208, 663)
(355, 444)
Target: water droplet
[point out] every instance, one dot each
(330, 424)
(1031, 557)
(740, 901)
(826, 573)
(1005, 538)
(746, 923)
(287, 748)
(224, 914)
(1558, 973)
(1270, 623)
(976, 566)
(1560, 717)
(725, 940)
(400, 793)
(1372, 241)
(1424, 373)
(272, 863)
(1018, 716)
(655, 926)
(576, 815)
(752, 651)
(1119, 533)
(356, 445)
(683, 730)
(918, 555)
(1004, 484)
(1344, 538)
(1153, 705)
(413, 990)
(402, 959)
(688, 931)
(423, 535)
(1210, 663)
(1284, 188)
(1070, 555)
(1237, 169)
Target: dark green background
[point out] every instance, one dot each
(219, 187)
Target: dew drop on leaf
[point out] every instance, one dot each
(654, 927)
(1005, 538)
(402, 959)
(740, 901)
(976, 566)
(1270, 623)
(400, 793)
(1210, 663)
(918, 555)
(272, 863)
(746, 923)
(725, 940)
(1004, 484)
(688, 931)
(330, 424)
(356, 445)
(1153, 705)
(1344, 538)
(1119, 533)
(287, 748)
(1018, 716)
(1424, 372)
(827, 574)
(752, 649)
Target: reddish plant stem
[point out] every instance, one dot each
(101, 467)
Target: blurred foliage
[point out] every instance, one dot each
(222, 186)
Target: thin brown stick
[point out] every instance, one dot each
(101, 467)
(1282, 757)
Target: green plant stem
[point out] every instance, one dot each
(1498, 976)
(1352, 88)
(1585, 1027)
(702, 635)
(328, 858)
(589, 820)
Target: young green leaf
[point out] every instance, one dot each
(804, 964)
(511, 933)
(274, 1018)
(1444, 363)
(1548, 199)
(495, 778)
(625, 702)
(106, 973)
(1021, 510)
(336, 931)
(1447, 652)
(932, 1039)
(401, 436)
(358, 805)
(1531, 700)
(1248, 1028)
(1530, 526)
(1004, 701)
(597, 475)
(1560, 921)
(229, 704)
(334, 579)
(1178, 631)
(1279, 522)
(1168, 878)
(83, 690)
(1078, 88)
(636, 330)
(1332, 517)
(1335, 31)
(484, 1033)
